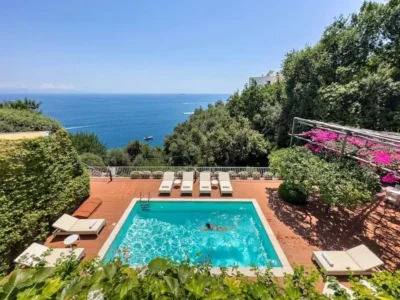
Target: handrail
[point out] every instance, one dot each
(125, 171)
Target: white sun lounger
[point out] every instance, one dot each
(225, 185)
(67, 225)
(167, 183)
(187, 183)
(205, 183)
(360, 260)
(36, 253)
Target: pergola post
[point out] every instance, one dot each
(291, 136)
(344, 144)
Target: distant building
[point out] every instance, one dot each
(270, 78)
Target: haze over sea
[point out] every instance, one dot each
(120, 118)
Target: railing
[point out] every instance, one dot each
(126, 171)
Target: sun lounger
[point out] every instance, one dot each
(360, 260)
(167, 183)
(87, 208)
(67, 225)
(225, 185)
(36, 253)
(205, 183)
(187, 183)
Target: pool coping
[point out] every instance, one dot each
(247, 271)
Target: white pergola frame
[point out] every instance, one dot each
(391, 139)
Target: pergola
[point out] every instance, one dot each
(388, 139)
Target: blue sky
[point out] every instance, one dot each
(174, 46)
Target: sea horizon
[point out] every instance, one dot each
(120, 118)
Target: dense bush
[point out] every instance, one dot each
(212, 137)
(146, 174)
(290, 193)
(91, 159)
(85, 142)
(179, 174)
(157, 174)
(163, 279)
(26, 104)
(268, 175)
(256, 175)
(243, 174)
(13, 120)
(40, 179)
(136, 175)
(339, 182)
(232, 175)
(117, 157)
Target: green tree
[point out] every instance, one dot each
(91, 159)
(117, 157)
(85, 142)
(213, 137)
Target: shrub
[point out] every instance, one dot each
(256, 175)
(91, 159)
(292, 194)
(340, 182)
(44, 179)
(179, 174)
(136, 174)
(118, 157)
(146, 174)
(14, 120)
(215, 174)
(158, 174)
(163, 279)
(85, 142)
(243, 175)
(232, 175)
(267, 175)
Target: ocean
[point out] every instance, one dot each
(120, 118)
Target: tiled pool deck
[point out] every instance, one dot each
(299, 230)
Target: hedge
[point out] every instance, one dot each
(40, 179)
(13, 120)
(163, 279)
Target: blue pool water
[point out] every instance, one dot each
(173, 229)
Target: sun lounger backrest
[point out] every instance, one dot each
(187, 176)
(205, 176)
(65, 222)
(364, 257)
(223, 176)
(169, 176)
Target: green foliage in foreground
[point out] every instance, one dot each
(163, 279)
(212, 137)
(339, 183)
(85, 142)
(14, 120)
(40, 179)
(26, 104)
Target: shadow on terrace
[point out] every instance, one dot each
(377, 225)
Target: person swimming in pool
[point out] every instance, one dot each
(209, 226)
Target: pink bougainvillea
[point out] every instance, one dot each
(382, 158)
(390, 178)
(381, 155)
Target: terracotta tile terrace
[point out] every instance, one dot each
(299, 230)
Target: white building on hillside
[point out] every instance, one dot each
(270, 78)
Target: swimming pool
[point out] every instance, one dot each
(174, 229)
